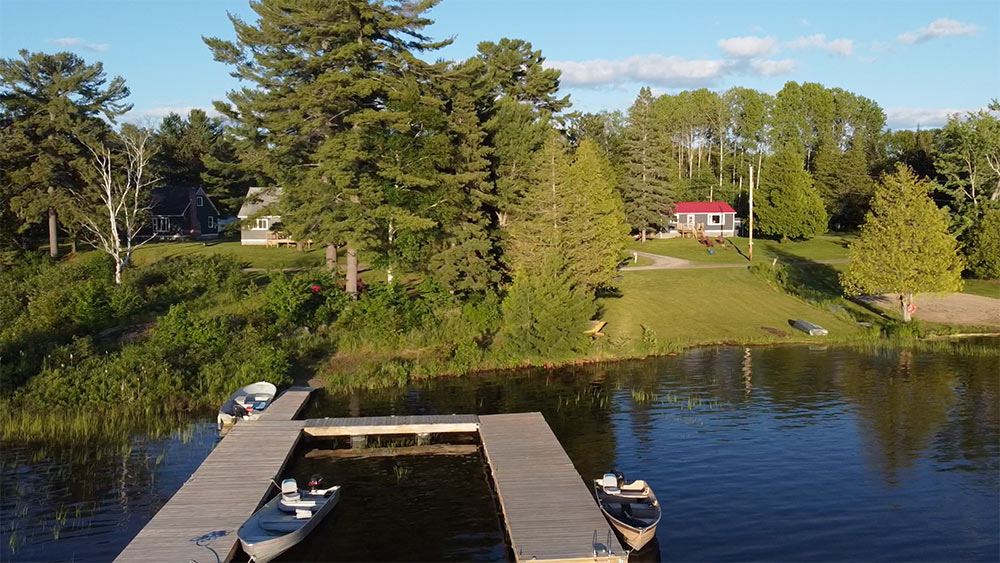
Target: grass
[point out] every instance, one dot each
(985, 288)
(825, 247)
(709, 306)
(252, 256)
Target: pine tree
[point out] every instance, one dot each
(788, 205)
(333, 87)
(51, 103)
(539, 222)
(466, 256)
(904, 246)
(596, 231)
(646, 190)
(545, 312)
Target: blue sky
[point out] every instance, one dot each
(919, 60)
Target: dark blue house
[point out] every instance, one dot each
(179, 212)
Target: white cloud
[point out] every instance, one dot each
(76, 42)
(840, 47)
(152, 116)
(910, 118)
(771, 68)
(670, 72)
(803, 21)
(749, 46)
(942, 27)
(68, 41)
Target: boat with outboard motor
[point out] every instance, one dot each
(247, 403)
(286, 519)
(631, 508)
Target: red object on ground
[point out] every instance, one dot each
(315, 288)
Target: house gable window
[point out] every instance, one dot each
(199, 201)
(260, 225)
(211, 222)
(715, 219)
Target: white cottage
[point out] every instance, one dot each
(258, 215)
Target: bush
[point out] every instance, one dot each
(545, 314)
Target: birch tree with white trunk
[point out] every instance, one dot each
(115, 207)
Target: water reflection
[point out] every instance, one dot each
(786, 453)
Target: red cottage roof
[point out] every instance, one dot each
(704, 207)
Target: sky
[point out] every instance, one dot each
(920, 61)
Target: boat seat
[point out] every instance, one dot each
(241, 400)
(290, 491)
(610, 484)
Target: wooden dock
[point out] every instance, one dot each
(548, 509)
(225, 490)
(387, 425)
(549, 512)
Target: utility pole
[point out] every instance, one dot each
(750, 246)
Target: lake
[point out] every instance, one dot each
(784, 453)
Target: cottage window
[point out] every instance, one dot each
(690, 219)
(161, 224)
(199, 201)
(715, 219)
(211, 222)
(261, 225)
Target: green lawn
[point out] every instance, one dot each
(825, 247)
(986, 288)
(706, 306)
(252, 256)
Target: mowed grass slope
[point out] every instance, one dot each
(709, 306)
(826, 247)
(252, 256)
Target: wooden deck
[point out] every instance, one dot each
(385, 425)
(548, 509)
(226, 489)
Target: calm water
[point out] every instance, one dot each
(784, 454)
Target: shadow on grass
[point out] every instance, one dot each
(810, 279)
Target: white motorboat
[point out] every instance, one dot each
(631, 508)
(247, 403)
(285, 520)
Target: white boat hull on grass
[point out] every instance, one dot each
(274, 529)
(247, 403)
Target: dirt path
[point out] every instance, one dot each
(661, 262)
(950, 308)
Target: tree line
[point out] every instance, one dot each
(471, 172)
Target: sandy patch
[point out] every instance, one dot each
(949, 308)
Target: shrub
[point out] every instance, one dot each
(545, 314)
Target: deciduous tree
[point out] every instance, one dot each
(904, 246)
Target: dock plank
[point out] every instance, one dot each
(549, 512)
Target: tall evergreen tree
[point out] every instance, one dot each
(904, 246)
(596, 230)
(539, 222)
(51, 103)
(788, 205)
(331, 83)
(646, 191)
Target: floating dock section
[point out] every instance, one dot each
(549, 512)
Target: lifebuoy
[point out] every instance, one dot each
(911, 308)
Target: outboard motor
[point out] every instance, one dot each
(621, 478)
(316, 481)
